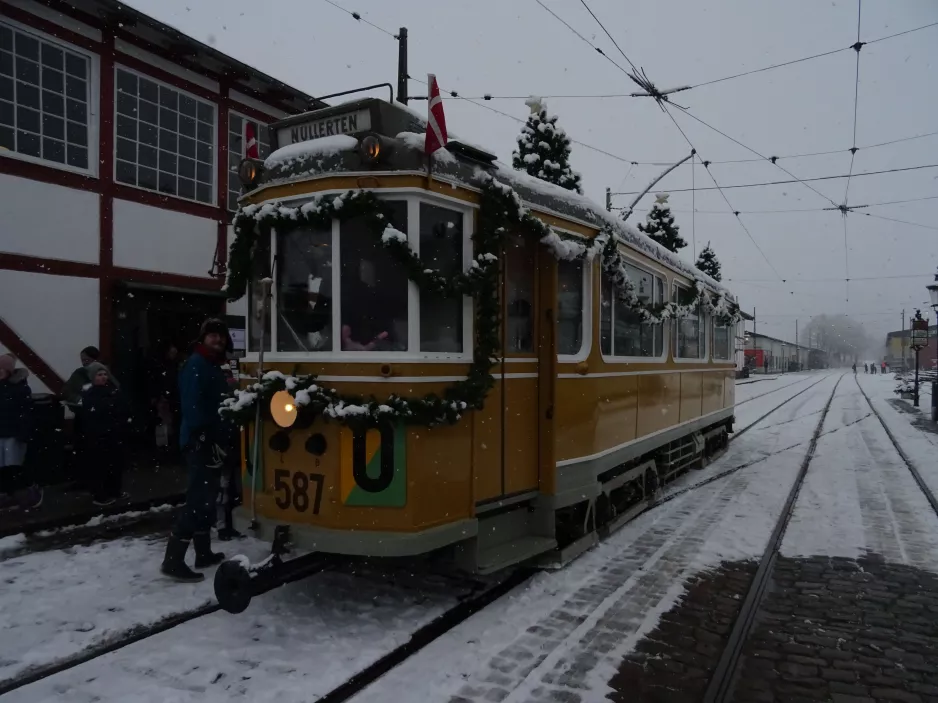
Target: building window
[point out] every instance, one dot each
(569, 307)
(373, 288)
(304, 290)
(238, 129)
(44, 99)
(688, 333)
(441, 248)
(622, 333)
(722, 342)
(165, 139)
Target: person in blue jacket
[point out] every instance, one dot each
(204, 438)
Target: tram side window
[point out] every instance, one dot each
(260, 269)
(569, 307)
(722, 337)
(688, 340)
(519, 268)
(373, 288)
(441, 248)
(622, 331)
(304, 290)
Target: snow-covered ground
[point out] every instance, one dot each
(564, 631)
(859, 495)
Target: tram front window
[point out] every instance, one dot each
(519, 267)
(304, 290)
(373, 288)
(441, 248)
(260, 269)
(569, 307)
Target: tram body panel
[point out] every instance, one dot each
(691, 395)
(521, 436)
(487, 446)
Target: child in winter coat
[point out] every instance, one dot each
(104, 418)
(16, 408)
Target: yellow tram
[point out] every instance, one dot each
(418, 393)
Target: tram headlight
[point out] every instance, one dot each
(283, 408)
(250, 171)
(373, 149)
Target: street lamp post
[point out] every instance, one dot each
(919, 341)
(933, 295)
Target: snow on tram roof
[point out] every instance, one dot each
(288, 162)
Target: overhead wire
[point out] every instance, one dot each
(903, 222)
(856, 94)
(796, 180)
(358, 16)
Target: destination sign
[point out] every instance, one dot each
(349, 123)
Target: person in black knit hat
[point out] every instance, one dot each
(202, 436)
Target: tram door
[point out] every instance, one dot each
(527, 348)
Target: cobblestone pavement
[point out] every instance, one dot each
(560, 659)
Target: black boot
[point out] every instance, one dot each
(174, 563)
(204, 556)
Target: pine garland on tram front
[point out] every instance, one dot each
(501, 211)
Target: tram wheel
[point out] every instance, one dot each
(233, 587)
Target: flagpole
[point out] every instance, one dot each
(429, 117)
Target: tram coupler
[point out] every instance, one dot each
(237, 581)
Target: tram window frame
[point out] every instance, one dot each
(72, 127)
(413, 199)
(729, 341)
(658, 337)
(586, 319)
(703, 337)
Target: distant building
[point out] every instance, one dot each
(899, 356)
(119, 144)
(780, 354)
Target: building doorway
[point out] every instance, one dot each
(148, 321)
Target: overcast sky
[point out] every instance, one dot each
(515, 48)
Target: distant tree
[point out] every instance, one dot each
(544, 149)
(659, 225)
(708, 263)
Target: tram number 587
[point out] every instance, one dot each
(295, 490)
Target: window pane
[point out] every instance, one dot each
(149, 134)
(149, 90)
(53, 150)
(126, 127)
(167, 161)
(76, 88)
(6, 88)
(27, 95)
(27, 46)
(519, 269)
(53, 127)
(6, 114)
(304, 290)
(203, 193)
(126, 105)
(689, 340)
(659, 329)
(203, 173)
(168, 119)
(7, 140)
(187, 147)
(186, 168)
(204, 132)
(127, 82)
(203, 153)
(6, 63)
(569, 307)
(373, 288)
(27, 143)
(126, 150)
(187, 126)
(441, 248)
(125, 173)
(631, 337)
(27, 71)
(76, 110)
(187, 105)
(76, 65)
(186, 188)
(53, 104)
(77, 156)
(53, 80)
(27, 119)
(721, 342)
(169, 98)
(6, 38)
(147, 156)
(206, 113)
(168, 140)
(167, 183)
(149, 112)
(52, 56)
(606, 304)
(260, 268)
(146, 178)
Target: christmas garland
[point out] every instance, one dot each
(501, 211)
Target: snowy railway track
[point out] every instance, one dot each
(721, 683)
(725, 675)
(479, 598)
(787, 385)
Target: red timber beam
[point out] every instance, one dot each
(22, 351)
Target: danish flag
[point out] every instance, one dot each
(250, 141)
(436, 121)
